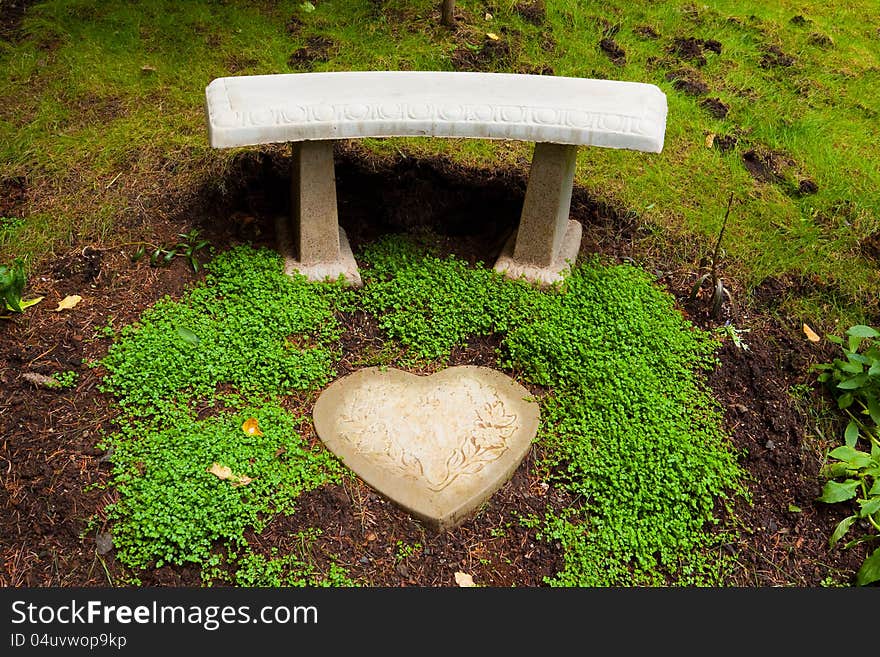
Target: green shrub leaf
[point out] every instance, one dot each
(853, 383)
(869, 507)
(852, 457)
(852, 433)
(862, 331)
(870, 570)
(841, 529)
(874, 409)
(839, 492)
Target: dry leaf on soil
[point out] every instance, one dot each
(68, 302)
(464, 580)
(492, 36)
(812, 336)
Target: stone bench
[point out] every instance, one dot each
(311, 110)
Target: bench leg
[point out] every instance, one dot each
(313, 243)
(546, 243)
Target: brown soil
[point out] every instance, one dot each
(725, 143)
(807, 186)
(533, 11)
(11, 13)
(688, 81)
(611, 48)
(715, 107)
(765, 165)
(49, 461)
(647, 32)
(820, 40)
(693, 50)
(491, 55)
(12, 196)
(317, 49)
(775, 58)
(870, 246)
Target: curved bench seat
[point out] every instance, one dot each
(312, 110)
(261, 109)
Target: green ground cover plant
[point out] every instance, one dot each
(232, 332)
(175, 506)
(234, 329)
(627, 425)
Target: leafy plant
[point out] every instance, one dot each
(234, 328)
(9, 226)
(12, 281)
(719, 291)
(65, 380)
(854, 474)
(186, 247)
(173, 506)
(728, 330)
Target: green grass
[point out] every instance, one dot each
(80, 110)
(628, 427)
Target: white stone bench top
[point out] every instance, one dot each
(262, 109)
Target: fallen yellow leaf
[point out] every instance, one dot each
(220, 471)
(812, 336)
(710, 139)
(241, 480)
(251, 427)
(224, 473)
(464, 580)
(68, 302)
(492, 36)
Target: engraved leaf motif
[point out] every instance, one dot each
(496, 426)
(455, 460)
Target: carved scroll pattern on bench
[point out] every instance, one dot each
(225, 117)
(405, 446)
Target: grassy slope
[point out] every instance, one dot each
(80, 113)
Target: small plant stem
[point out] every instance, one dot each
(718, 242)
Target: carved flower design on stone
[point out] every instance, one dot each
(494, 427)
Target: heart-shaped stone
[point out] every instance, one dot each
(436, 445)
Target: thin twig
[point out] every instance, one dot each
(718, 243)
